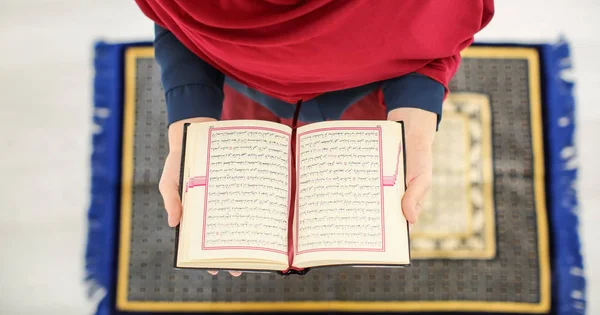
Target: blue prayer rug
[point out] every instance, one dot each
(499, 232)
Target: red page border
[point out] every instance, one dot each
(204, 247)
(381, 185)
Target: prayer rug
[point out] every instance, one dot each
(498, 233)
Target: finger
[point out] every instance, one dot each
(172, 202)
(414, 196)
(233, 273)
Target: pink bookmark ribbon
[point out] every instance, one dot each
(391, 180)
(195, 182)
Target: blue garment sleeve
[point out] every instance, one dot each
(193, 88)
(416, 91)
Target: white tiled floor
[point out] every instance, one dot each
(45, 97)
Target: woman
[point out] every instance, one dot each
(322, 55)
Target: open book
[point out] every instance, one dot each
(252, 201)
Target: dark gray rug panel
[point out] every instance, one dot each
(511, 276)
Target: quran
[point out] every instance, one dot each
(261, 196)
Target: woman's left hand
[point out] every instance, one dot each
(420, 128)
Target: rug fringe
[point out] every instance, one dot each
(100, 257)
(568, 271)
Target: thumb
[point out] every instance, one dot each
(172, 202)
(414, 196)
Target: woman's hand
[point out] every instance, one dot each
(233, 273)
(420, 128)
(169, 181)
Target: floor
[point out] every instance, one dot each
(45, 110)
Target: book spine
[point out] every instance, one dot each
(299, 272)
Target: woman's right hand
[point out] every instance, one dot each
(169, 187)
(169, 180)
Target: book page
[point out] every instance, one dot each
(350, 183)
(238, 191)
(340, 168)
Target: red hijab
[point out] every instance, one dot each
(298, 49)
